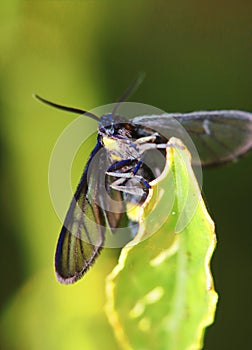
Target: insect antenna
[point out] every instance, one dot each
(129, 92)
(66, 108)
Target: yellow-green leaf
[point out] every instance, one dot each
(161, 295)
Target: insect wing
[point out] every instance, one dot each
(115, 207)
(219, 136)
(82, 235)
(109, 200)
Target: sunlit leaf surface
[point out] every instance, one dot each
(161, 293)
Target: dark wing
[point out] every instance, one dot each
(219, 136)
(82, 235)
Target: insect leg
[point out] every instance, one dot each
(146, 139)
(165, 145)
(121, 185)
(122, 170)
(124, 177)
(129, 163)
(143, 147)
(139, 163)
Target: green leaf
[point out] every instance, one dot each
(161, 293)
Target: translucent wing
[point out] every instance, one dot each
(82, 235)
(219, 136)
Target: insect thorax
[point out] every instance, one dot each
(119, 149)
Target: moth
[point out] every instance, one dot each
(117, 176)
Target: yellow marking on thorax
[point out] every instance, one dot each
(110, 143)
(112, 146)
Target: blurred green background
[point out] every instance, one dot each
(196, 55)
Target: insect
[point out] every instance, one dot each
(116, 174)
